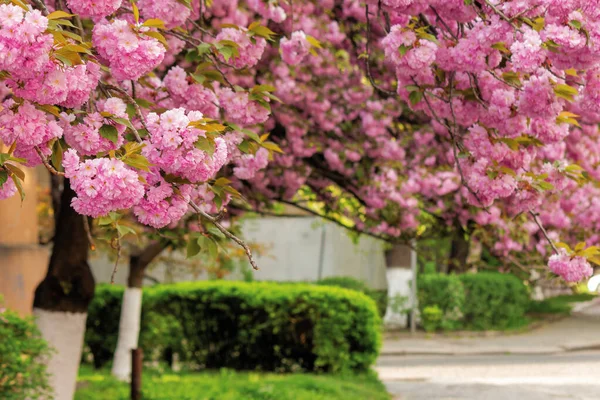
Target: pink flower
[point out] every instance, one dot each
(571, 269)
(294, 50)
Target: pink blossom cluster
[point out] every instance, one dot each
(571, 269)
(24, 45)
(248, 165)
(250, 50)
(84, 136)
(162, 205)
(66, 86)
(294, 50)
(240, 109)
(193, 97)
(171, 146)
(129, 53)
(7, 189)
(268, 10)
(102, 185)
(172, 12)
(29, 128)
(93, 8)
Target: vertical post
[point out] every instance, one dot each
(136, 374)
(413, 287)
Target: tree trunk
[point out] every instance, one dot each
(131, 310)
(62, 298)
(459, 250)
(398, 277)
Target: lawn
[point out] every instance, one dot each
(231, 385)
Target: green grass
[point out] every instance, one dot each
(231, 385)
(558, 305)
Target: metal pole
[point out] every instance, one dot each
(413, 288)
(136, 374)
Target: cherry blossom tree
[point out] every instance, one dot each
(379, 115)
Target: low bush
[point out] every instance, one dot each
(22, 352)
(379, 296)
(231, 385)
(443, 297)
(494, 301)
(265, 326)
(481, 301)
(562, 304)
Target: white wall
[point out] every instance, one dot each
(298, 249)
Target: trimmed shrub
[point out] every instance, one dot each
(480, 301)
(494, 301)
(246, 326)
(22, 352)
(380, 297)
(441, 301)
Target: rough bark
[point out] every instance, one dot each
(62, 298)
(140, 260)
(459, 250)
(69, 283)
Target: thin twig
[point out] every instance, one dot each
(368, 61)
(41, 6)
(443, 23)
(135, 105)
(201, 29)
(226, 232)
(48, 166)
(116, 267)
(539, 224)
(88, 232)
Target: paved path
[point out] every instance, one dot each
(493, 377)
(581, 331)
(556, 361)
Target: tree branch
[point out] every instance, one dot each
(226, 232)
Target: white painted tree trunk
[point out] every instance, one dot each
(129, 331)
(398, 286)
(64, 332)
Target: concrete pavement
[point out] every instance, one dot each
(492, 377)
(581, 331)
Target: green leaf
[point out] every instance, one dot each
(58, 15)
(3, 177)
(403, 49)
(501, 47)
(213, 249)
(19, 187)
(125, 230)
(154, 23)
(57, 155)
(109, 132)
(575, 24)
(272, 146)
(137, 161)
(193, 247)
(222, 182)
(566, 92)
(15, 171)
(205, 145)
(415, 97)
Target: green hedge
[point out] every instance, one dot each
(246, 326)
(481, 301)
(441, 301)
(22, 351)
(380, 297)
(494, 301)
